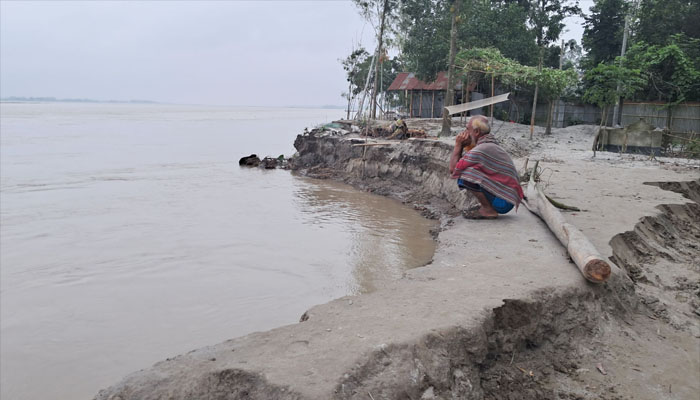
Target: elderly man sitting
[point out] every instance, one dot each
(486, 170)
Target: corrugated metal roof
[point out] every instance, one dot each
(408, 81)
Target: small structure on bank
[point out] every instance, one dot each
(639, 137)
(425, 100)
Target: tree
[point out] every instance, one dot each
(352, 65)
(671, 75)
(357, 66)
(606, 83)
(659, 20)
(571, 58)
(603, 29)
(502, 25)
(425, 46)
(426, 25)
(383, 11)
(450, 96)
(547, 19)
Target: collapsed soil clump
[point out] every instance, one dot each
(669, 241)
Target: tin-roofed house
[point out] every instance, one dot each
(425, 100)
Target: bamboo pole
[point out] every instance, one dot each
(432, 107)
(591, 264)
(493, 93)
(420, 105)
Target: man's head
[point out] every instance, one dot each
(477, 127)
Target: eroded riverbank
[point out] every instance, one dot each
(500, 312)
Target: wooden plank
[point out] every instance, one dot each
(375, 144)
(477, 104)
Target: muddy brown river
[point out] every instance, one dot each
(129, 234)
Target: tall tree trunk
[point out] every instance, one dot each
(548, 131)
(449, 98)
(534, 101)
(349, 97)
(618, 104)
(373, 112)
(534, 110)
(597, 138)
(561, 67)
(361, 106)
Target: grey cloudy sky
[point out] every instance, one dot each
(272, 53)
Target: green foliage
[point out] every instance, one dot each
(372, 11)
(502, 25)
(547, 18)
(659, 20)
(426, 32)
(603, 31)
(476, 62)
(426, 44)
(357, 66)
(608, 81)
(671, 75)
(353, 66)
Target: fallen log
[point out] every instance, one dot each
(591, 264)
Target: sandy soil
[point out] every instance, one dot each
(653, 351)
(501, 312)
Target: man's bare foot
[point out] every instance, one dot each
(479, 214)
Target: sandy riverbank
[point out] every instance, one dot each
(500, 312)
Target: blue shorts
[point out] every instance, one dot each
(501, 206)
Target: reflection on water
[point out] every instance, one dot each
(385, 239)
(128, 234)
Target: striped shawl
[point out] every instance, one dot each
(488, 165)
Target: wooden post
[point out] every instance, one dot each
(591, 264)
(410, 106)
(405, 96)
(461, 115)
(420, 104)
(493, 93)
(432, 107)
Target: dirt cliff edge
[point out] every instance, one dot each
(500, 313)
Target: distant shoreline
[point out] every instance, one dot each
(15, 99)
(19, 100)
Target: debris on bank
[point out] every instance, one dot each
(267, 163)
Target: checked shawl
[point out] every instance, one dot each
(489, 166)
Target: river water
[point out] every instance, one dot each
(129, 234)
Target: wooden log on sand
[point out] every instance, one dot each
(591, 264)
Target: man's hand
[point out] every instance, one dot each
(462, 140)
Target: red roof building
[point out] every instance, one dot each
(425, 100)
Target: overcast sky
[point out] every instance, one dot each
(272, 53)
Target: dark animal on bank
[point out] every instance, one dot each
(249, 161)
